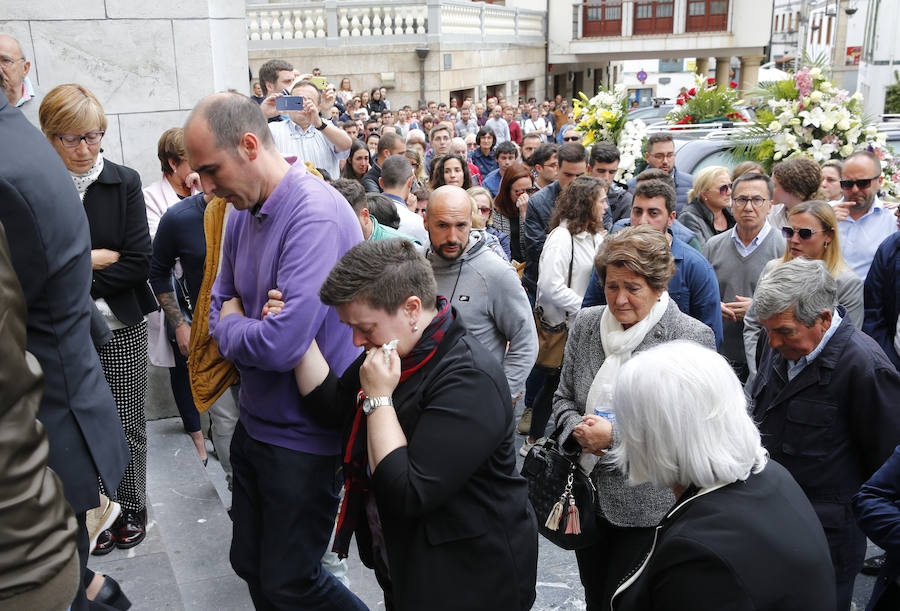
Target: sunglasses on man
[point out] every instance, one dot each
(862, 183)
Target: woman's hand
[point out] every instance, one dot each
(274, 304)
(101, 258)
(593, 434)
(379, 379)
(192, 182)
(522, 203)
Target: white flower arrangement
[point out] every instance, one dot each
(604, 118)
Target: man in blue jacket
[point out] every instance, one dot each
(825, 398)
(694, 287)
(661, 155)
(882, 297)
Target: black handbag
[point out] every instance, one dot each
(564, 498)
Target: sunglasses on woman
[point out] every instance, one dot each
(805, 233)
(724, 189)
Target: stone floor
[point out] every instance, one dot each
(183, 563)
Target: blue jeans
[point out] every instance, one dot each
(283, 505)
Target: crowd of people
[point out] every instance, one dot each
(384, 290)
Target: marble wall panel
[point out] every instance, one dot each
(141, 133)
(221, 9)
(128, 64)
(157, 9)
(229, 49)
(112, 140)
(53, 9)
(194, 62)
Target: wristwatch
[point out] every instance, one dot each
(323, 124)
(370, 403)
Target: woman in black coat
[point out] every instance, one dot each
(742, 534)
(73, 121)
(432, 422)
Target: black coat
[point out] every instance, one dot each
(831, 427)
(50, 246)
(459, 530)
(117, 217)
(753, 545)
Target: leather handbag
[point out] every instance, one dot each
(552, 338)
(564, 498)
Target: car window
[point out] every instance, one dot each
(720, 157)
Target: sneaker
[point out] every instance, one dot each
(524, 422)
(526, 447)
(100, 519)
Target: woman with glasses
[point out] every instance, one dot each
(357, 163)
(811, 232)
(416, 160)
(567, 260)
(73, 121)
(482, 220)
(707, 212)
(510, 207)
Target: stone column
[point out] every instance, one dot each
(723, 65)
(702, 66)
(750, 72)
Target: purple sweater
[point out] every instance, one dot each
(298, 235)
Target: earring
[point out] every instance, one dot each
(415, 328)
(826, 244)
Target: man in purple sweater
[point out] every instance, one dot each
(288, 229)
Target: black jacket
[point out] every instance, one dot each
(459, 530)
(370, 179)
(832, 426)
(50, 247)
(117, 217)
(753, 545)
(882, 296)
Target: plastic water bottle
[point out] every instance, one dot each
(604, 405)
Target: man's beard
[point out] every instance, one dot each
(461, 248)
(865, 204)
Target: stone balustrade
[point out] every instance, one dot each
(332, 23)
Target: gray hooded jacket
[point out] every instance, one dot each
(487, 294)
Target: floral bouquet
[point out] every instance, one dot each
(706, 103)
(807, 115)
(604, 118)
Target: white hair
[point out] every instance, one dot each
(683, 419)
(458, 145)
(417, 134)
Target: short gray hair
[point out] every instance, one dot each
(682, 418)
(802, 284)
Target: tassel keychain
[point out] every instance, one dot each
(555, 515)
(573, 522)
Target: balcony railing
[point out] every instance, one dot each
(616, 18)
(313, 24)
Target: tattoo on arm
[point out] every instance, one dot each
(171, 309)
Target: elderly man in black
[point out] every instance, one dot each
(826, 400)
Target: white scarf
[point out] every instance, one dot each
(619, 343)
(83, 181)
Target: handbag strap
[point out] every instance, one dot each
(571, 259)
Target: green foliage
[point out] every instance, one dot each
(892, 97)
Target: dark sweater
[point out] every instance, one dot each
(180, 236)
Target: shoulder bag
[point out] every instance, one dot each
(552, 338)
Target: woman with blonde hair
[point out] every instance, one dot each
(345, 91)
(708, 211)
(811, 232)
(482, 217)
(73, 121)
(420, 176)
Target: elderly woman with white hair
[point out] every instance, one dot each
(742, 534)
(634, 266)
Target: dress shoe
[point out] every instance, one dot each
(131, 528)
(111, 594)
(873, 565)
(105, 543)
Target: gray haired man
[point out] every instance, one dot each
(825, 398)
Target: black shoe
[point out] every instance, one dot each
(130, 529)
(111, 594)
(105, 543)
(873, 565)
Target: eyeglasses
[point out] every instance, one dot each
(743, 201)
(484, 210)
(70, 141)
(572, 139)
(724, 189)
(9, 61)
(529, 190)
(862, 183)
(805, 233)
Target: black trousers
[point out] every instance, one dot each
(283, 505)
(602, 566)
